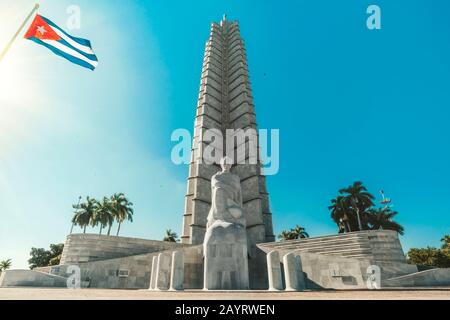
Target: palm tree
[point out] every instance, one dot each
(340, 214)
(381, 219)
(446, 242)
(357, 198)
(300, 232)
(170, 236)
(286, 235)
(296, 233)
(121, 209)
(84, 214)
(103, 214)
(5, 264)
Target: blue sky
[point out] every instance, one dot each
(350, 103)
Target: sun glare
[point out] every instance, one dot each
(11, 88)
(19, 94)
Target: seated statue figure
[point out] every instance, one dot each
(225, 243)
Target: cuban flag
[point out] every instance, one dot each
(48, 34)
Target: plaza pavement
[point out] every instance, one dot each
(28, 293)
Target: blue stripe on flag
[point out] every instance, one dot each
(84, 42)
(92, 57)
(63, 54)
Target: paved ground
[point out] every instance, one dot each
(102, 294)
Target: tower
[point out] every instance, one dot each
(225, 102)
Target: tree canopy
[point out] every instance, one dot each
(297, 232)
(430, 256)
(103, 213)
(170, 236)
(354, 210)
(43, 258)
(5, 264)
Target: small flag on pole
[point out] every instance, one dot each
(77, 50)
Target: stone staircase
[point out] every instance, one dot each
(348, 245)
(377, 247)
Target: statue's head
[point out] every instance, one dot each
(226, 163)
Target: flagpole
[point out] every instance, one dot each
(8, 46)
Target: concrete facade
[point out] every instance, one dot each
(134, 272)
(80, 248)
(30, 278)
(163, 271)
(377, 245)
(314, 270)
(293, 274)
(153, 273)
(274, 271)
(427, 278)
(341, 261)
(177, 271)
(225, 102)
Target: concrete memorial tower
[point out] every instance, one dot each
(225, 102)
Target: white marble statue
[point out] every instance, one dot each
(226, 194)
(225, 245)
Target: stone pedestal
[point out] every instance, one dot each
(274, 271)
(163, 271)
(226, 261)
(300, 274)
(153, 274)
(177, 271)
(291, 272)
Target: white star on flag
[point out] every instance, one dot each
(41, 30)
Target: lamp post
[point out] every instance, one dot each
(73, 223)
(355, 205)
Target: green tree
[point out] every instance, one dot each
(5, 264)
(42, 258)
(84, 213)
(357, 200)
(429, 257)
(286, 235)
(382, 219)
(170, 236)
(340, 214)
(55, 253)
(300, 232)
(104, 214)
(39, 258)
(446, 242)
(296, 233)
(121, 209)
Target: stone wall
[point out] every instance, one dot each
(379, 246)
(134, 272)
(332, 272)
(428, 278)
(80, 248)
(30, 278)
(376, 247)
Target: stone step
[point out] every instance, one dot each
(340, 252)
(323, 244)
(353, 236)
(329, 247)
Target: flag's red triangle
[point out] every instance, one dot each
(41, 30)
